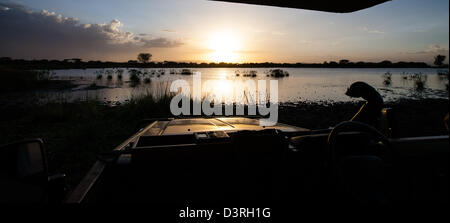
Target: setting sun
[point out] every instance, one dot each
(224, 46)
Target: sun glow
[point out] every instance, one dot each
(224, 46)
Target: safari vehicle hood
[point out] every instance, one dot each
(195, 125)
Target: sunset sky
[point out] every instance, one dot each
(207, 31)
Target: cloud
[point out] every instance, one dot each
(160, 42)
(432, 49)
(427, 54)
(365, 29)
(169, 30)
(435, 48)
(45, 34)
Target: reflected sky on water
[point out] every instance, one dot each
(302, 84)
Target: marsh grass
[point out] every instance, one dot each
(387, 79)
(250, 73)
(135, 75)
(119, 73)
(420, 81)
(29, 80)
(278, 73)
(75, 132)
(109, 74)
(45, 75)
(99, 74)
(17, 79)
(443, 76)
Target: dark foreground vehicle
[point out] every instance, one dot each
(233, 159)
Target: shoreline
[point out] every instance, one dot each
(80, 64)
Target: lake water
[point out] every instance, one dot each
(302, 84)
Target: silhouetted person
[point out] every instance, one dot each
(370, 112)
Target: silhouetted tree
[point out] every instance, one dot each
(144, 57)
(344, 61)
(76, 60)
(76, 63)
(439, 60)
(386, 62)
(5, 59)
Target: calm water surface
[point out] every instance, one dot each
(303, 84)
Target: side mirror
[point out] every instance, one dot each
(23, 172)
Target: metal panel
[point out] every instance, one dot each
(338, 6)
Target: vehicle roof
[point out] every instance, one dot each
(227, 124)
(338, 6)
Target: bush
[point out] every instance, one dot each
(135, 75)
(278, 73)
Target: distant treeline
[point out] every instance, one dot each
(76, 63)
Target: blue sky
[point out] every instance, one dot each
(199, 30)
